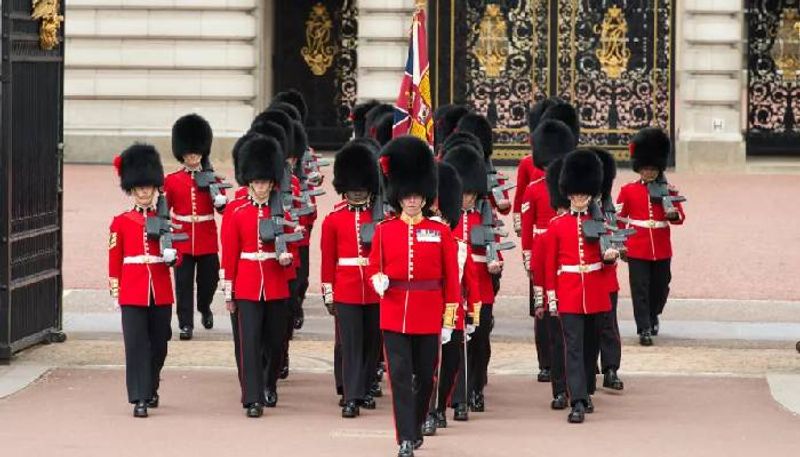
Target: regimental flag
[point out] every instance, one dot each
(412, 112)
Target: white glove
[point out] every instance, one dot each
(552, 302)
(380, 282)
(220, 201)
(169, 255)
(285, 259)
(447, 334)
(470, 329)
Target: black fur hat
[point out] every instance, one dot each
(609, 170)
(461, 138)
(373, 118)
(566, 113)
(191, 134)
(582, 173)
(282, 119)
(650, 148)
(370, 143)
(480, 127)
(450, 193)
(445, 119)
(261, 159)
(537, 111)
(359, 117)
(273, 130)
(382, 128)
(551, 139)
(236, 154)
(296, 99)
(470, 166)
(355, 168)
(300, 141)
(138, 166)
(407, 163)
(552, 175)
(289, 109)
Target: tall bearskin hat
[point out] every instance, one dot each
(236, 154)
(582, 173)
(609, 170)
(537, 111)
(191, 134)
(382, 129)
(300, 141)
(373, 118)
(551, 139)
(650, 148)
(296, 99)
(462, 138)
(138, 166)
(359, 117)
(445, 119)
(450, 192)
(480, 127)
(552, 175)
(407, 163)
(282, 119)
(289, 109)
(470, 166)
(370, 143)
(355, 168)
(273, 130)
(566, 113)
(261, 159)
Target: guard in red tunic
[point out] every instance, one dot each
(551, 139)
(346, 289)
(445, 120)
(139, 278)
(576, 282)
(359, 117)
(479, 126)
(192, 203)
(413, 266)
(650, 206)
(255, 272)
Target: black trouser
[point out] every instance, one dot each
(649, 290)
(291, 302)
(450, 372)
(337, 358)
(359, 330)
(411, 361)
(262, 327)
(479, 350)
(541, 338)
(207, 267)
(236, 346)
(579, 364)
(610, 346)
(302, 282)
(555, 344)
(145, 331)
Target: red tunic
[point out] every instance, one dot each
(573, 268)
(462, 231)
(651, 242)
(344, 259)
(420, 259)
(527, 172)
(192, 213)
(536, 214)
(134, 263)
(251, 269)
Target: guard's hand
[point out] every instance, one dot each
(230, 305)
(495, 267)
(517, 224)
(539, 312)
(672, 188)
(170, 255)
(380, 282)
(300, 229)
(331, 308)
(503, 204)
(610, 255)
(447, 335)
(220, 201)
(672, 214)
(470, 329)
(285, 259)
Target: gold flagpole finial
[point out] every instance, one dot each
(422, 4)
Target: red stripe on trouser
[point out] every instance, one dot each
(241, 354)
(389, 382)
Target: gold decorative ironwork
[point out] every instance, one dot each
(421, 4)
(492, 47)
(48, 12)
(319, 50)
(786, 50)
(613, 52)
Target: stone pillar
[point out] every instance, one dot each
(710, 89)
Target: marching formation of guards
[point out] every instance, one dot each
(411, 257)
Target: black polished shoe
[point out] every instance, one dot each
(559, 401)
(441, 419)
(578, 413)
(478, 404)
(153, 402)
(350, 410)
(589, 405)
(461, 413)
(255, 410)
(418, 442)
(376, 391)
(272, 398)
(284, 372)
(298, 320)
(544, 375)
(208, 320)
(380, 370)
(140, 409)
(406, 449)
(341, 401)
(429, 427)
(646, 338)
(367, 403)
(612, 381)
(186, 333)
(656, 325)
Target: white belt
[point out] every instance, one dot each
(142, 259)
(478, 258)
(580, 268)
(353, 262)
(195, 218)
(258, 256)
(645, 224)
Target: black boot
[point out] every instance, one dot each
(612, 381)
(578, 413)
(656, 325)
(140, 409)
(285, 368)
(429, 427)
(559, 401)
(299, 319)
(186, 333)
(478, 404)
(441, 419)
(272, 398)
(367, 403)
(153, 402)
(589, 405)
(418, 442)
(406, 449)
(350, 409)
(208, 320)
(341, 401)
(646, 338)
(544, 375)
(255, 410)
(462, 412)
(376, 391)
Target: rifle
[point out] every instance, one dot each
(599, 228)
(313, 162)
(207, 181)
(659, 193)
(493, 177)
(306, 206)
(271, 230)
(160, 227)
(483, 235)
